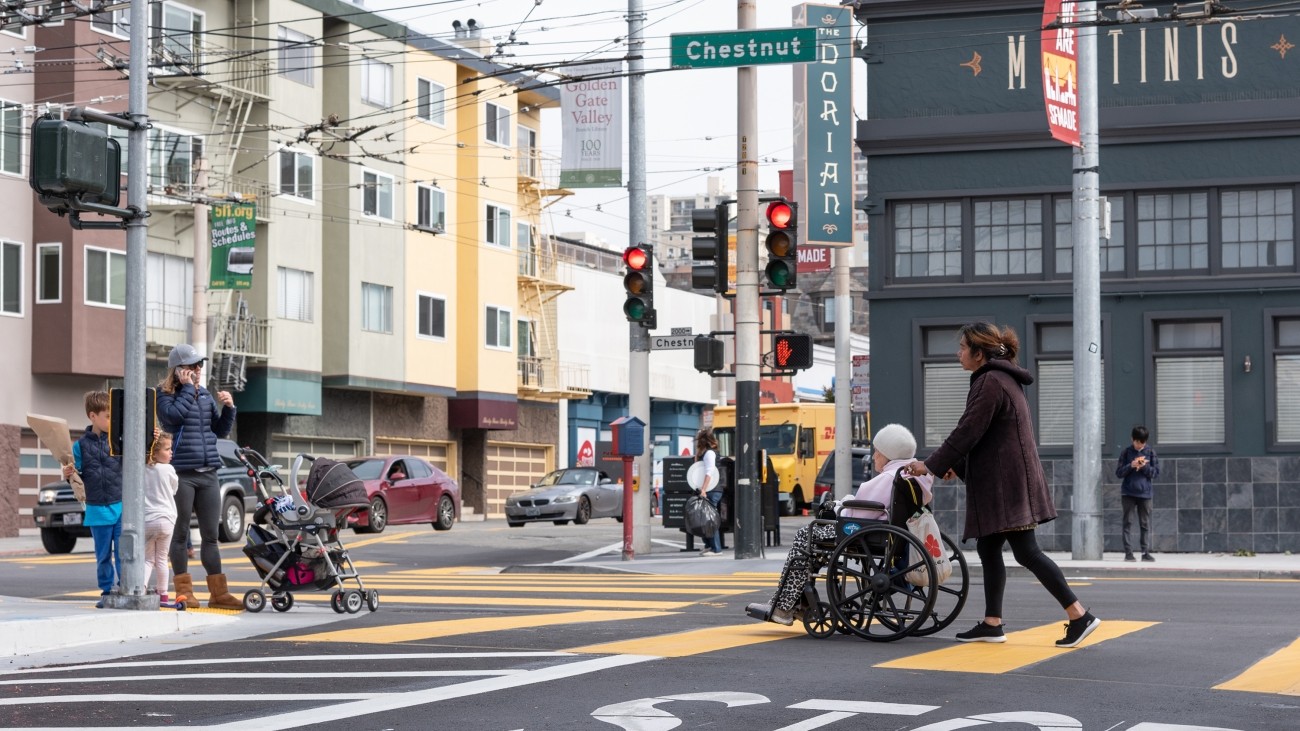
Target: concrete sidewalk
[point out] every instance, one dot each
(36, 633)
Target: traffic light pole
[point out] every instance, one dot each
(749, 516)
(638, 335)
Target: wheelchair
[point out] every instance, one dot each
(863, 571)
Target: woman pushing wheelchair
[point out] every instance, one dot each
(893, 448)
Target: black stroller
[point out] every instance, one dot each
(293, 541)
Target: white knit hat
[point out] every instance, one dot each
(895, 442)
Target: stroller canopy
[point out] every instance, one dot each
(332, 484)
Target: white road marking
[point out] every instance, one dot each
(593, 553)
(256, 675)
(193, 698)
(825, 719)
(876, 707)
(285, 658)
(642, 715)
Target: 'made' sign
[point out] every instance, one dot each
(744, 48)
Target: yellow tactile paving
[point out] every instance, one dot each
(450, 627)
(1277, 673)
(1020, 650)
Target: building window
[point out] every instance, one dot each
(377, 195)
(1173, 232)
(171, 158)
(530, 163)
(113, 22)
(169, 291)
(296, 294)
(376, 82)
(297, 56)
(297, 174)
(433, 316)
(1258, 229)
(1054, 345)
(927, 240)
(176, 37)
(498, 226)
(11, 138)
(431, 101)
(498, 327)
(1286, 370)
(431, 206)
(49, 273)
(498, 124)
(1008, 237)
(827, 310)
(105, 277)
(11, 278)
(527, 340)
(943, 383)
(1189, 382)
(1111, 250)
(376, 308)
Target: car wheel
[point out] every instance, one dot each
(584, 512)
(57, 540)
(377, 517)
(232, 520)
(446, 513)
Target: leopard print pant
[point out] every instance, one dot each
(798, 565)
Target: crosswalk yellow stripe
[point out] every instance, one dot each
(1021, 649)
(391, 634)
(552, 588)
(502, 601)
(1277, 673)
(695, 642)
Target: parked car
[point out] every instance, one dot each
(404, 489)
(575, 494)
(59, 515)
(863, 470)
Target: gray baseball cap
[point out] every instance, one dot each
(184, 355)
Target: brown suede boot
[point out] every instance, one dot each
(218, 595)
(185, 590)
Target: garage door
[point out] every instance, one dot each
(284, 448)
(439, 454)
(511, 468)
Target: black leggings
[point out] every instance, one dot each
(1024, 547)
(199, 492)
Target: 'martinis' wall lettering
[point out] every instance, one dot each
(1120, 74)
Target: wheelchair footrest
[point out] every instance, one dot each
(761, 612)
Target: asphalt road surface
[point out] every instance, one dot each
(457, 645)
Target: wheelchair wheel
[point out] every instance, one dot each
(866, 588)
(819, 621)
(950, 596)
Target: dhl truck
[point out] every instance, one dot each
(797, 437)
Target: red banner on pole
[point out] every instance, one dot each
(1061, 72)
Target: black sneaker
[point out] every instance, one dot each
(1148, 557)
(982, 632)
(1076, 630)
(1129, 557)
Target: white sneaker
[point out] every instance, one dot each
(706, 553)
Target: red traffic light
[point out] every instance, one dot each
(779, 214)
(635, 258)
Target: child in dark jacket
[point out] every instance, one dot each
(102, 475)
(1138, 466)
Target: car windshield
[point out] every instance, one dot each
(568, 477)
(777, 439)
(366, 469)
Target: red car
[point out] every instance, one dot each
(404, 489)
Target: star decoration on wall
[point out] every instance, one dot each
(1282, 46)
(974, 63)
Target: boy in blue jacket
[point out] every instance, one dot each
(102, 475)
(1138, 466)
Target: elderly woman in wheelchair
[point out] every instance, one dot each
(876, 570)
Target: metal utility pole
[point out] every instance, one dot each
(749, 513)
(638, 336)
(132, 593)
(202, 247)
(843, 375)
(1086, 540)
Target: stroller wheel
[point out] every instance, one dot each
(353, 601)
(254, 600)
(282, 603)
(336, 602)
(372, 600)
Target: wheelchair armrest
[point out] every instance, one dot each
(867, 504)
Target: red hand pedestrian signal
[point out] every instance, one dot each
(792, 352)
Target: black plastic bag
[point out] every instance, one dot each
(701, 517)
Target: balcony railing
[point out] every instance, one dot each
(243, 335)
(239, 71)
(547, 375)
(537, 264)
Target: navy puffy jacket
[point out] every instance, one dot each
(1137, 483)
(101, 473)
(191, 416)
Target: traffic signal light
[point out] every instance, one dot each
(791, 351)
(708, 354)
(639, 282)
(710, 246)
(782, 244)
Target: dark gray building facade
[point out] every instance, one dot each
(970, 214)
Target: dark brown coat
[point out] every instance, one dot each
(994, 452)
